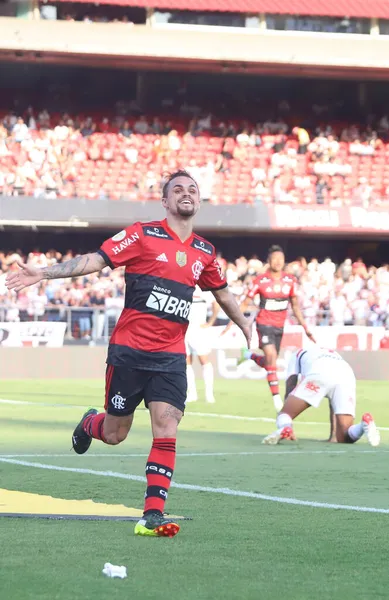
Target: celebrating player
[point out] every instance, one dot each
(197, 343)
(322, 373)
(163, 260)
(275, 289)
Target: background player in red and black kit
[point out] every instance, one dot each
(164, 261)
(275, 289)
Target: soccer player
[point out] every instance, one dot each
(163, 260)
(275, 289)
(197, 343)
(313, 374)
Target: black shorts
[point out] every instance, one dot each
(125, 388)
(268, 335)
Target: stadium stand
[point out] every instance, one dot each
(99, 157)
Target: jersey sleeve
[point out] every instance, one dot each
(212, 278)
(253, 290)
(122, 248)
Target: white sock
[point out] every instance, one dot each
(283, 420)
(355, 431)
(208, 380)
(277, 401)
(192, 391)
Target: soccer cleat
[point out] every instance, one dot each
(210, 399)
(156, 525)
(80, 439)
(370, 430)
(244, 355)
(286, 433)
(278, 404)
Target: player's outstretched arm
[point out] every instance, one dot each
(299, 316)
(80, 265)
(232, 309)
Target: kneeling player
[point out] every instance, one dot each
(322, 373)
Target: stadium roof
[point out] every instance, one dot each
(330, 8)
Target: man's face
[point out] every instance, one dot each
(276, 261)
(183, 197)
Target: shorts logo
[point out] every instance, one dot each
(181, 258)
(197, 269)
(312, 387)
(118, 402)
(265, 339)
(164, 302)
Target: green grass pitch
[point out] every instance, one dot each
(236, 547)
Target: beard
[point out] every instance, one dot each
(186, 210)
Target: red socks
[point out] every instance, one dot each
(93, 425)
(259, 359)
(159, 472)
(272, 380)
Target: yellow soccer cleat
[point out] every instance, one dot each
(156, 525)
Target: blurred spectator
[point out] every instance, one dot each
(20, 130)
(303, 139)
(329, 294)
(141, 126)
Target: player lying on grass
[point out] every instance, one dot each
(313, 374)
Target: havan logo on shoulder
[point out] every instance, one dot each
(125, 243)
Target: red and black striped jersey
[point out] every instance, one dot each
(274, 297)
(161, 273)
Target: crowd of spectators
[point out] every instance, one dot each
(126, 157)
(350, 293)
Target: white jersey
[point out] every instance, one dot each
(324, 373)
(302, 361)
(197, 337)
(199, 309)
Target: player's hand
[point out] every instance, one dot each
(310, 336)
(247, 332)
(226, 328)
(28, 275)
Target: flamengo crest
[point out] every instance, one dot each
(197, 269)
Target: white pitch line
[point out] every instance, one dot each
(182, 455)
(187, 414)
(290, 452)
(200, 488)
